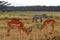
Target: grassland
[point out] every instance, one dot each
(35, 34)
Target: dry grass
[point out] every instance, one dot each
(36, 34)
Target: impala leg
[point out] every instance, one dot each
(42, 27)
(52, 27)
(8, 31)
(25, 30)
(47, 31)
(19, 29)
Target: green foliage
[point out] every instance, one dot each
(22, 15)
(4, 5)
(28, 13)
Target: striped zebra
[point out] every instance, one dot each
(35, 17)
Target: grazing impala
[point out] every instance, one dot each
(46, 22)
(19, 24)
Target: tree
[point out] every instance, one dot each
(3, 6)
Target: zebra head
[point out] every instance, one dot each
(45, 15)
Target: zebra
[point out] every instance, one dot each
(35, 17)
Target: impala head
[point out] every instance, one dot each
(29, 29)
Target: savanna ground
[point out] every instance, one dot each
(26, 18)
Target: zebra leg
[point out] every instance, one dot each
(41, 20)
(36, 21)
(33, 20)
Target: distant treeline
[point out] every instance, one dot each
(31, 8)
